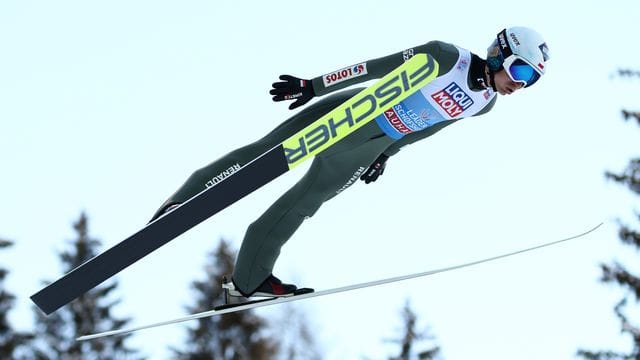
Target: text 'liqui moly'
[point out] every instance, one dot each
(453, 100)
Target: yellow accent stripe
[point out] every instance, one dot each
(360, 109)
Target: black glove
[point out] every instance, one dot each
(292, 88)
(375, 170)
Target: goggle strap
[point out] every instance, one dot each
(504, 44)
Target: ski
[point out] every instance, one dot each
(313, 139)
(252, 304)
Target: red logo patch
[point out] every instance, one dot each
(395, 121)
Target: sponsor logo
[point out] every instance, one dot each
(341, 75)
(453, 100)
(405, 120)
(503, 41)
(343, 119)
(292, 96)
(514, 38)
(407, 54)
(392, 117)
(223, 175)
(545, 51)
(462, 64)
(352, 180)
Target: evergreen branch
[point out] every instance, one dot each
(631, 114)
(627, 327)
(628, 73)
(629, 177)
(602, 355)
(629, 236)
(622, 277)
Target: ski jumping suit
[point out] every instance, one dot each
(456, 93)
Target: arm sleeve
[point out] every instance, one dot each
(444, 53)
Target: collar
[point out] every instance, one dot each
(476, 73)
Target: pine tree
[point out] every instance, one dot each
(616, 273)
(410, 337)
(12, 343)
(90, 313)
(295, 336)
(235, 336)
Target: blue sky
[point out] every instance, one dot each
(107, 107)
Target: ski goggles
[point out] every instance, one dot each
(520, 71)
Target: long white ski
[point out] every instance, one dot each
(274, 301)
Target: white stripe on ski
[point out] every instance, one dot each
(326, 292)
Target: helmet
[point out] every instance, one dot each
(521, 51)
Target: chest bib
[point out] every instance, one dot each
(447, 97)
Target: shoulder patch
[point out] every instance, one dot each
(347, 73)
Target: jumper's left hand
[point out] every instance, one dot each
(292, 88)
(375, 170)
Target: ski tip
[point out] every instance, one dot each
(95, 336)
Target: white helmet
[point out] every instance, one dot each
(521, 51)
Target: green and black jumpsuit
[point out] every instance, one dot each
(461, 87)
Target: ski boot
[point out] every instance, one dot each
(272, 287)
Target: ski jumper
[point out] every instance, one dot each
(456, 93)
